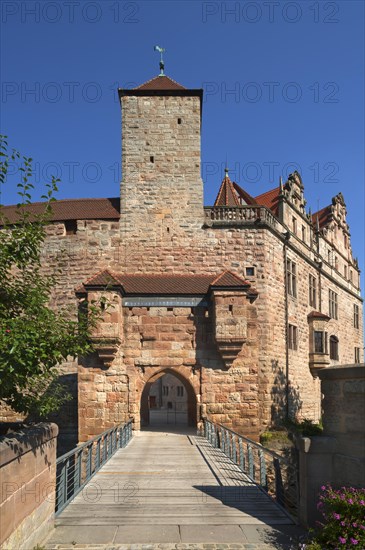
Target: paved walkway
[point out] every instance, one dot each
(172, 491)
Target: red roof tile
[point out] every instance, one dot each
(269, 199)
(227, 278)
(226, 194)
(230, 193)
(322, 217)
(160, 83)
(71, 209)
(318, 315)
(163, 283)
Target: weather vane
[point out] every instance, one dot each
(162, 64)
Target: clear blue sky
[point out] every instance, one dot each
(283, 88)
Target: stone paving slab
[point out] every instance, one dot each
(171, 491)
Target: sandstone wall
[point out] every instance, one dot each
(28, 477)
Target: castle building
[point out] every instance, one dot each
(241, 302)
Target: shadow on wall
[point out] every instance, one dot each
(66, 417)
(279, 396)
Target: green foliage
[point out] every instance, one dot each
(306, 427)
(34, 338)
(274, 435)
(343, 512)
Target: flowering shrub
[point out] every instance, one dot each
(343, 512)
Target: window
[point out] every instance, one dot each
(345, 271)
(180, 391)
(320, 342)
(70, 227)
(334, 348)
(165, 390)
(250, 271)
(292, 337)
(303, 233)
(333, 309)
(312, 291)
(357, 355)
(294, 220)
(356, 316)
(291, 278)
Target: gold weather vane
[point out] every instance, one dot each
(162, 64)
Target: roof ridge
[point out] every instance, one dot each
(227, 271)
(267, 192)
(57, 201)
(157, 77)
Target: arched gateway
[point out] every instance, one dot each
(147, 405)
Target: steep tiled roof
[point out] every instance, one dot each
(227, 278)
(243, 194)
(230, 193)
(226, 194)
(164, 283)
(71, 209)
(160, 83)
(269, 199)
(323, 216)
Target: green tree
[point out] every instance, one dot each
(34, 338)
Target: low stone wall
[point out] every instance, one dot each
(28, 476)
(338, 456)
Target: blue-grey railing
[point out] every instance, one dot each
(275, 474)
(77, 467)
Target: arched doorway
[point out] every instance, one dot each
(168, 399)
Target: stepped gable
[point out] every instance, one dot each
(69, 209)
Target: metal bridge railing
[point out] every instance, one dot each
(275, 474)
(75, 468)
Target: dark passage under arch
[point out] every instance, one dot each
(191, 401)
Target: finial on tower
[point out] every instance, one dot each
(226, 170)
(162, 64)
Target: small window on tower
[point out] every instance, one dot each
(250, 271)
(152, 159)
(179, 120)
(71, 227)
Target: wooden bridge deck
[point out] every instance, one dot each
(166, 487)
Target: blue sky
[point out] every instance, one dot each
(283, 86)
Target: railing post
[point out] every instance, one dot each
(279, 488)
(242, 456)
(97, 455)
(263, 476)
(234, 449)
(88, 462)
(250, 462)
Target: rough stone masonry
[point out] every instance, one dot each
(243, 301)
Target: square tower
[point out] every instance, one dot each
(161, 189)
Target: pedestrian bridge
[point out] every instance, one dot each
(172, 487)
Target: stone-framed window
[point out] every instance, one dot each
(357, 355)
(292, 337)
(165, 390)
(356, 316)
(334, 348)
(180, 391)
(332, 304)
(291, 278)
(250, 271)
(320, 341)
(312, 291)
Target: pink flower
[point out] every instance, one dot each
(362, 502)
(354, 525)
(353, 541)
(350, 501)
(342, 524)
(342, 540)
(336, 516)
(323, 488)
